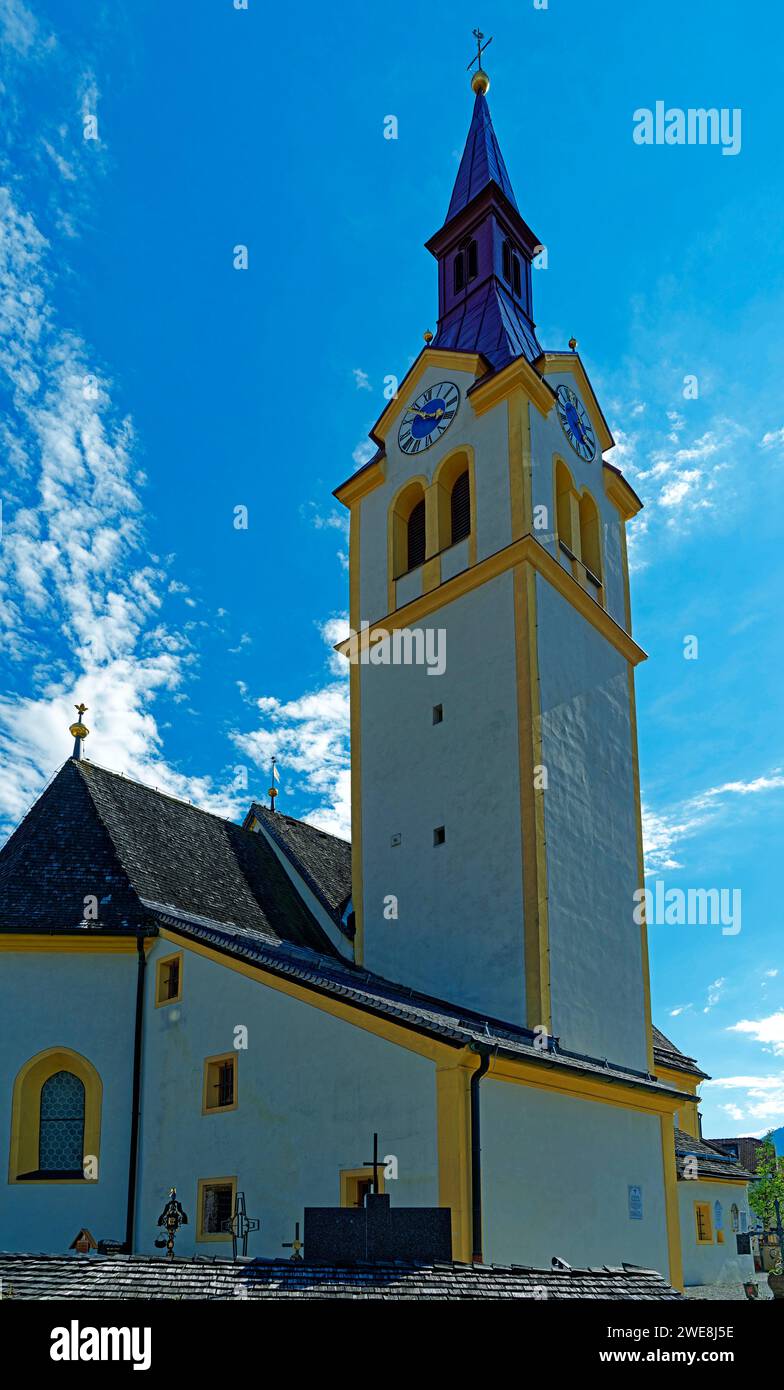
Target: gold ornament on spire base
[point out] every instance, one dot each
(79, 730)
(480, 82)
(573, 344)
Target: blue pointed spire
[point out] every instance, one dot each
(482, 161)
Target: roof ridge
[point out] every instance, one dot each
(83, 762)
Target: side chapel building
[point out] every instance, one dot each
(243, 1013)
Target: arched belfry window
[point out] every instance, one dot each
(460, 507)
(415, 536)
(466, 264)
(511, 267)
(590, 540)
(61, 1132)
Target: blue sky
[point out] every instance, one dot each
(147, 388)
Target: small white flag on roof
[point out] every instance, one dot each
(275, 773)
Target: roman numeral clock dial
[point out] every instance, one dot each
(576, 423)
(428, 417)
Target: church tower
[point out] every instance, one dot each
(495, 794)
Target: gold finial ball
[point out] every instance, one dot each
(573, 344)
(480, 82)
(428, 336)
(273, 791)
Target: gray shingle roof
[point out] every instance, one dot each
(668, 1055)
(322, 860)
(148, 1277)
(154, 862)
(711, 1163)
(96, 832)
(746, 1147)
(435, 1017)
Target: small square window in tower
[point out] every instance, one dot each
(439, 835)
(438, 714)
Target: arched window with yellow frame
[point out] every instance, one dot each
(455, 499)
(56, 1119)
(408, 529)
(567, 512)
(591, 541)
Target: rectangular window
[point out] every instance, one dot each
(438, 714)
(439, 835)
(220, 1083)
(355, 1183)
(168, 980)
(702, 1222)
(215, 1206)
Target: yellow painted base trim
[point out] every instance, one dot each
(672, 1207)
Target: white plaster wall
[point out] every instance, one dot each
(590, 827)
(85, 1002)
(459, 932)
(488, 436)
(555, 1177)
(312, 1090)
(714, 1263)
(548, 439)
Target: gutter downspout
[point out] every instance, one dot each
(476, 1157)
(133, 1156)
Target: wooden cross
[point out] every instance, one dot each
(480, 48)
(375, 1163)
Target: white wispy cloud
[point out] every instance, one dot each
(80, 598)
(759, 1102)
(309, 736)
(665, 831)
(362, 380)
(768, 1031)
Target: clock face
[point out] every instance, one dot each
(428, 417)
(576, 423)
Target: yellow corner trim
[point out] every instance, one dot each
(671, 1206)
(620, 493)
(360, 484)
(519, 375)
(571, 362)
(536, 949)
(453, 1108)
(525, 549)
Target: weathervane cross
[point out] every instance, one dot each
(480, 47)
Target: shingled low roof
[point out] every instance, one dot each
(711, 1162)
(150, 1278)
(323, 861)
(157, 862)
(139, 851)
(668, 1055)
